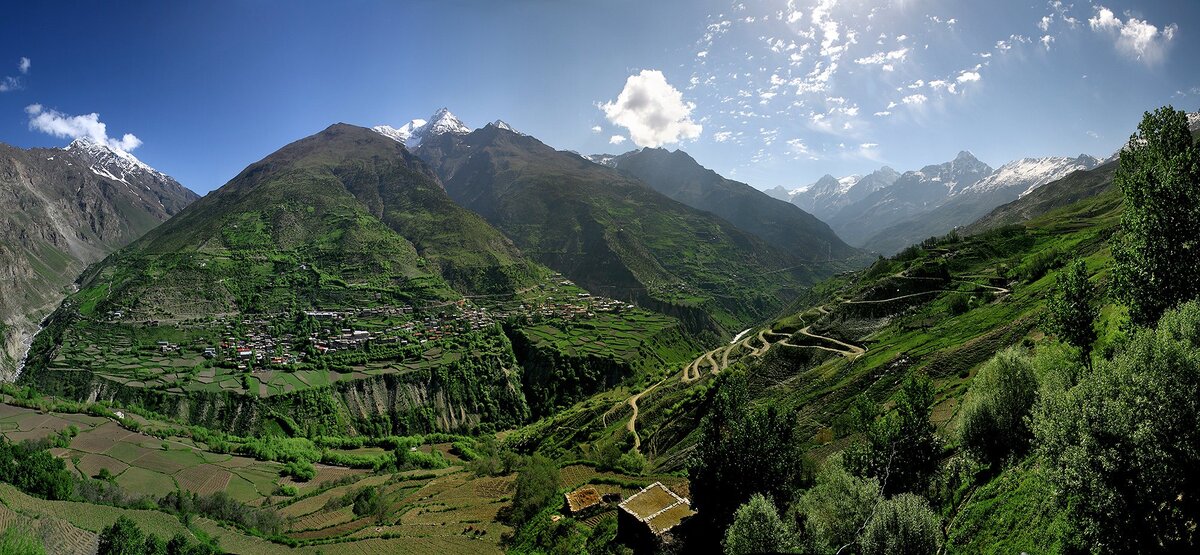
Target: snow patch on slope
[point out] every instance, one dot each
(1030, 173)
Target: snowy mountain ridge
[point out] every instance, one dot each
(412, 133)
(109, 162)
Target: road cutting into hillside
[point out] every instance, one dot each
(692, 373)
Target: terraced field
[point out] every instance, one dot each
(447, 510)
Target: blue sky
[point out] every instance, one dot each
(771, 93)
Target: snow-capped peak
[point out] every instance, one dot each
(501, 124)
(106, 161)
(412, 133)
(1028, 174)
(442, 121)
(400, 134)
(845, 183)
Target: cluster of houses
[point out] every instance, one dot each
(249, 342)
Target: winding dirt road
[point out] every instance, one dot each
(691, 372)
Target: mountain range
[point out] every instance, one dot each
(621, 236)
(68, 207)
(886, 211)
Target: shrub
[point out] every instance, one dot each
(1120, 446)
(537, 486)
(122, 538)
(958, 303)
(902, 525)
(757, 528)
(300, 470)
(832, 511)
(995, 417)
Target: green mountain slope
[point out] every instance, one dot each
(1049, 197)
(943, 308)
(614, 235)
(334, 286)
(781, 224)
(64, 209)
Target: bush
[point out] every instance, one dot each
(743, 450)
(302, 471)
(368, 502)
(902, 449)
(122, 538)
(757, 528)
(902, 525)
(1120, 446)
(832, 511)
(537, 487)
(958, 303)
(995, 417)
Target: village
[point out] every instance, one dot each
(259, 342)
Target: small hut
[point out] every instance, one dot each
(647, 517)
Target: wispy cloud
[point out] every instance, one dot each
(86, 126)
(11, 83)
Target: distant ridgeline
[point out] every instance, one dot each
(658, 237)
(334, 286)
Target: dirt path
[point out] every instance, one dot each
(853, 351)
(692, 373)
(633, 404)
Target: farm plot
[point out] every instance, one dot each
(203, 479)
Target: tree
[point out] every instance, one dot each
(1002, 396)
(154, 546)
(122, 538)
(757, 528)
(1157, 256)
(902, 525)
(178, 545)
(832, 512)
(743, 450)
(901, 449)
(1072, 314)
(537, 486)
(1120, 447)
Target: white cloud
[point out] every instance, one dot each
(597, 129)
(652, 110)
(1044, 24)
(968, 76)
(1047, 40)
(1105, 19)
(9, 84)
(883, 57)
(616, 139)
(798, 147)
(883, 114)
(722, 136)
(1135, 38)
(24, 64)
(915, 99)
(868, 145)
(87, 126)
